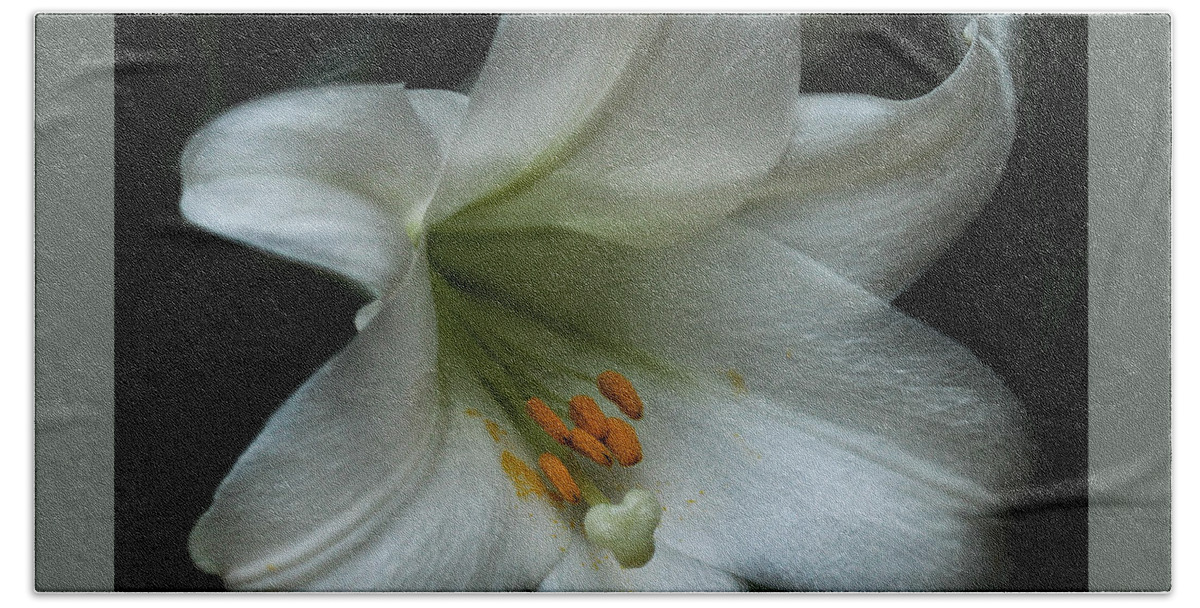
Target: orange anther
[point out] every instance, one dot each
(558, 475)
(587, 415)
(623, 441)
(617, 389)
(547, 419)
(585, 443)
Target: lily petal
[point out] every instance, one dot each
(876, 188)
(796, 502)
(654, 126)
(366, 479)
(323, 176)
(901, 441)
(586, 568)
(442, 112)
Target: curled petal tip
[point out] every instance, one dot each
(970, 31)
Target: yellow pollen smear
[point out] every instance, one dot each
(616, 388)
(623, 442)
(587, 415)
(583, 442)
(494, 430)
(524, 478)
(736, 381)
(547, 419)
(558, 475)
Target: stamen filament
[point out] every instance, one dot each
(591, 493)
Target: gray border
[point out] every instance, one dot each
(73, 310)
(1129, 302)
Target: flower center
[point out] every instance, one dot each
(530, 358)
(627, 529)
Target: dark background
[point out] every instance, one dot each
(211, 337)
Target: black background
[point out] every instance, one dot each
(211, 336)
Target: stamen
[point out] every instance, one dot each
(583, 442)
(587, 415)
(547, 419)
(623, 442)
(617, 389)
(558, 475)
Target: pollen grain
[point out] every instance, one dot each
(617, 388)
(558, 475)
(547, 419)
(587, 415)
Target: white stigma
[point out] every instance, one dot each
(627, 528)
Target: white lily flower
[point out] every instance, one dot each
(641, 194)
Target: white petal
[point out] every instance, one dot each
(323, 176)
(882, 441)
(876, 188)
(546, 76)
(1005, 31)
(442, 113)
(366, 479)
(899, 56)
(587, 568)
(796, 502)
(627, 127)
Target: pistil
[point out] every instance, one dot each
(627, 528)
